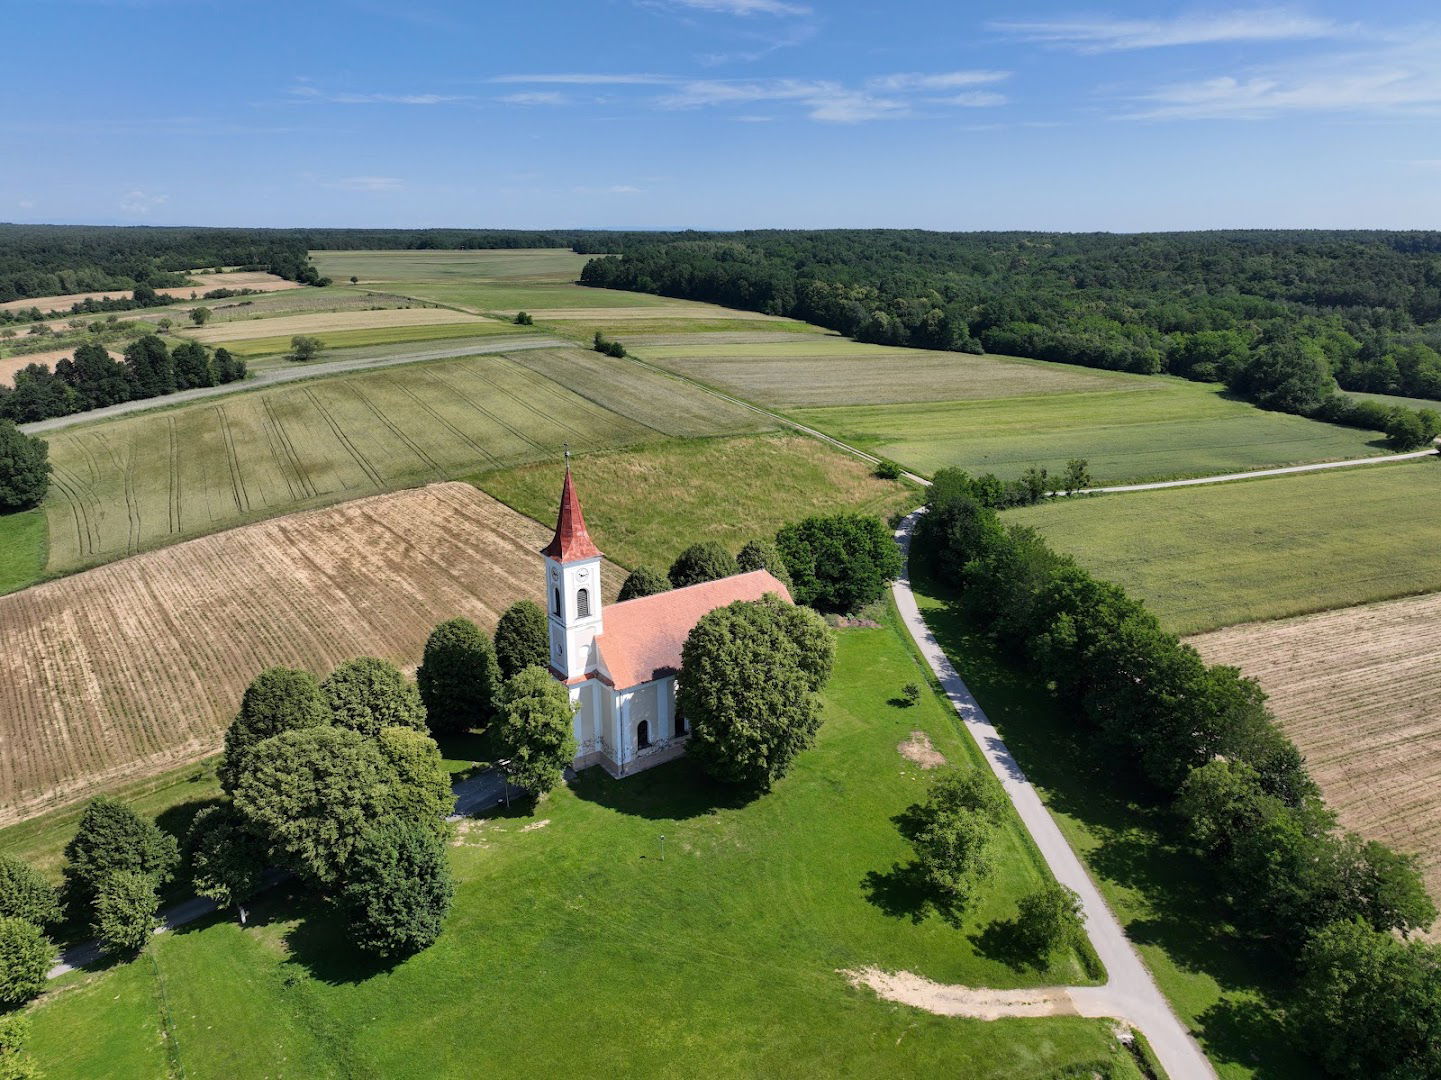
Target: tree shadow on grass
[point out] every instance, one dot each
(674, 791)
(1002, 941)
(319, 944)
(901, 892)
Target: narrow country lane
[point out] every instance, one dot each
(1130, 994)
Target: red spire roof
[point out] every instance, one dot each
(571, 541)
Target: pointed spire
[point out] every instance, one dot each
(571, 541)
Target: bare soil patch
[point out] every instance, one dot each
(918, 748)
(330, 320)
(1358, 689)
(976, 1003)
(120, 672)
(9, 365)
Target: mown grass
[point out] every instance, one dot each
(572, 946)
(132, 483)
(1164, 896)
(1209, 556)
(1165, 429)
(380, 335)
(108, 1024)
(643, 506)
(23, 540)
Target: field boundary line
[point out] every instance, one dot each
(366, 466)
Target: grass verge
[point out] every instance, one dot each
(24, 540)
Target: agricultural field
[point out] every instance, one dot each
(318, 323)
(9, 365)
(644, 506)
(1358, 689)
(381, 334)
(135, 667)
(1215, 555)
(729, 954)
(1003, 414)
(201, 282)
(135, 482)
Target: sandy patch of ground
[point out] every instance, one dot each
(319, 322)
(975, 1003)
(918, 748)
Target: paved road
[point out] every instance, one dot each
(275, 376)
(1130, 994)
(472, 795)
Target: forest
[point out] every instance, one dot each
(1362, 308)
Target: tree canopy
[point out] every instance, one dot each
(26, 956)
(397, 889)
(367, 694)
(25, 894)
(112, 838)
(751, 672)
(522, 639)
(841, 562)
(706, 561)
(643, 581)
(278, 699)
(227, 858)
(24, 469)
(126, 912)
(458, 677)
(534, 730)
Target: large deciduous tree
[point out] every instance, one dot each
(24, 469)
(534, 730)
(1050, 921)
(311, 793)
(113, 838)
(25, 894)
(278, 699)
(763, 555)
(953, 833)
(227, 857)
(149, 367)
(26, 956)
(751, 672)
(397, 889)
(706, 561)
(643, 581)
(126, 912)
(419, 784)
(522, 639)
(192, 366)
(458, 677)
(839, 563)
(367, 694)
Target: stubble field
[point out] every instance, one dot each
(320, 322)
(133, 483)
(1358, 691)
(127, 669)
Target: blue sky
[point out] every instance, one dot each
(721, 114)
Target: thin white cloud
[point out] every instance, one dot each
(580, 78)
(138, 203)
(536, 97)
(306, 92)
(1395, 80)
(367, 183)
(945, 80)
(613, 189)
(1111, 34)
(26, 204)
(973, 99)
(744, 7)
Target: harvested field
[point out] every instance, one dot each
(319, 322)
(1212, 556)
(122, 671)
(667, 310)
(201, 283)
(721, 337)
(239, 308)
(9, 365)
(535, 264)
(379, 335)
(1358, 689)
(131, 483)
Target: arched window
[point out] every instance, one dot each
(557, 601)
(582, 603)
(642, 734)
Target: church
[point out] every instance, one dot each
(620, 663)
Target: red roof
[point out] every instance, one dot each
(571, 541)
(643, 637)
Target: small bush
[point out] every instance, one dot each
(911, 694)
(887, 470)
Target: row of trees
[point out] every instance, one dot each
(835, 563)
(92, 379)
(1322, 899)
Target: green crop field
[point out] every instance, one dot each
(1393, 399)
(1210, 556)
(572, 945)
(1165, 429)
(132, 483)
(555, 264)
(644, 505)
(380, 335)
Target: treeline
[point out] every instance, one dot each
(52, 260)
(1369, 302)
(92, 379)
(1325, 902)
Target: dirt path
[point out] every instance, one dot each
(975, 1003)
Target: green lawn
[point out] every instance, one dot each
(23, 538)
(1164, 896)
(574, 949)
(1393, 399)
(560, 264)
(644, 506)
(380, 335)
(1210, 556)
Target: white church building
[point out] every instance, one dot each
(621, 662)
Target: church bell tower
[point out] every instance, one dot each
(572, 588)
